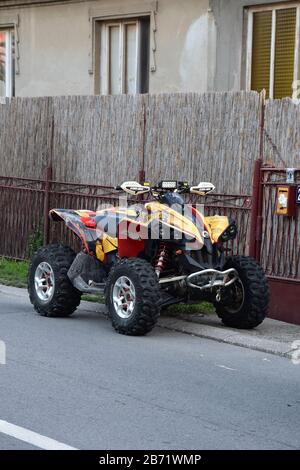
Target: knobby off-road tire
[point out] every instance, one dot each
(132, 297)
(63, 297)
(256, 295)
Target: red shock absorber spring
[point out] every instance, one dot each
(162, 258)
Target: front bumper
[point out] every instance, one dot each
(212, 279)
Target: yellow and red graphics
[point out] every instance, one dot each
(126, 229)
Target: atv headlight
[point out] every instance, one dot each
(229, 234)
(168, 185)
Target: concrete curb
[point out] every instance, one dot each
(227, 336)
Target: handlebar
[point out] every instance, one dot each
(168, 186)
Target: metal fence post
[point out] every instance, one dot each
(255, 210)
(47, 188)
(259, 220)
(257, 191)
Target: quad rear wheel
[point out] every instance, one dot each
(245, 303)
(50, 290)
(132, 297)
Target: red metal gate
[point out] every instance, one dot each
(275, 241)
(25, 205)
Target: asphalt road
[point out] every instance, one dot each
(79, 383)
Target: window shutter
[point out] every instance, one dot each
(131, 58)
(114, 60)
(261, 51)
(124, 56)
(284, 52)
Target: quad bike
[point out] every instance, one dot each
(147, 257)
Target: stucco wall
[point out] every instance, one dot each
(183, 59)
(200, 45)
(55, 44)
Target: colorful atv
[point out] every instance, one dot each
(147, 257)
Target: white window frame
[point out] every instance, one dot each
(121, 10)
(274, 8)
(105, 74)
(9, 78)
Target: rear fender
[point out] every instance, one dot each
(80, 222)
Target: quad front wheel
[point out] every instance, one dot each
(245, 303)
(132, 297)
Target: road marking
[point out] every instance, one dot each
(224, 367)
(2, 353)
(31, 437)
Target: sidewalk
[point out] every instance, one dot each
(273, 337)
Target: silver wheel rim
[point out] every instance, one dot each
(124, 297)
(44, 282)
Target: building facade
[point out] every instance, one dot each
(83, 47)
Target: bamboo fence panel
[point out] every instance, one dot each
(97, 140)
(108, 139)
(203, 137)
(25, 136)
(282, 133)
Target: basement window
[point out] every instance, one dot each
(7, 62)
(123, 56)
(273, 50)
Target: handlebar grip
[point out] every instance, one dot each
(118, 188)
